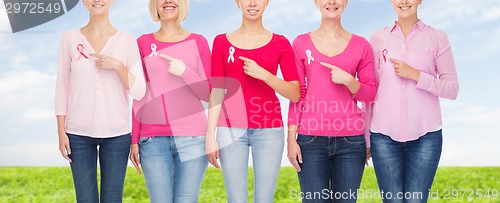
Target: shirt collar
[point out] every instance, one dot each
(420, 25)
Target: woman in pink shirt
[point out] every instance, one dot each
(329, 152)
(99, 67)
(244, 67)
(169, 123)
(414, 66)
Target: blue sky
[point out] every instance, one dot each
(471, 123)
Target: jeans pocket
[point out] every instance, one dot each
(198, 137)
(355, 140)
(145, 140)
(305, 139)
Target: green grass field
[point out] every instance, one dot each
(54, 184)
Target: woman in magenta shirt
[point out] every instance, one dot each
(244, 67)
(169, 123)
(414, 66)
(329, 152)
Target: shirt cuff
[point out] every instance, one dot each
(425, 81)
(138, 90)
(189, 76)
(293, 122)
(367, 139)
(135, 139)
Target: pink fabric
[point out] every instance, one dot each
(403, 109)
(94, 100)
(172, 105)
(249, 102)
(325, 108)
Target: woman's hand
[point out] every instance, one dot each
(107, 62)
(64, 146)
(368, 155)
(294, 154)
(175, 66)
(252, 69)
(338, 75)
(134, 157)
(212, 150)
(403, 70)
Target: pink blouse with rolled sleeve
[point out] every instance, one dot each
(94, 100)
(404, 109)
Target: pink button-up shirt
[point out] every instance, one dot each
(94, 100)
(403, 109)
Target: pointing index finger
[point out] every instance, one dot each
(395, 61)
(245, 59)
(327, 65)
(96, 55)
(167, 57)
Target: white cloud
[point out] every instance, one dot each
(26, 96)
(457, 153)
(475, 115)
(35, 115)
(463, 113)
(448, 14)
(132, 16)
(32, 154)
(283, 14)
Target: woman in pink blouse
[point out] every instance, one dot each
(336, 71)
(169, 123)
(99, 67)
(414, 66)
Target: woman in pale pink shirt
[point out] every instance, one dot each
(99, 67)
(414, 66)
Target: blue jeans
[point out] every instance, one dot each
(405, 170)
(267, 149)
(113, 157)
(173, 167)
(332, 167)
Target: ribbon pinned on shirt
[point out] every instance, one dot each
(309, 57)
(384, 55)
(153, 50)
(80, 49)
(230, 59)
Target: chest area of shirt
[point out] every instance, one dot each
(187, 51)
(157, 68)
(311, 60)
(268, 58)
(418, 52)
(82, 61)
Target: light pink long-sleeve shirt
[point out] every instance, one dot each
(326, 108)
(94, 100)
(404, 109)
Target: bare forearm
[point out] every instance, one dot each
(292, 132)
(214, 110)
(289, 90)
(61, 122)
(353, 86)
